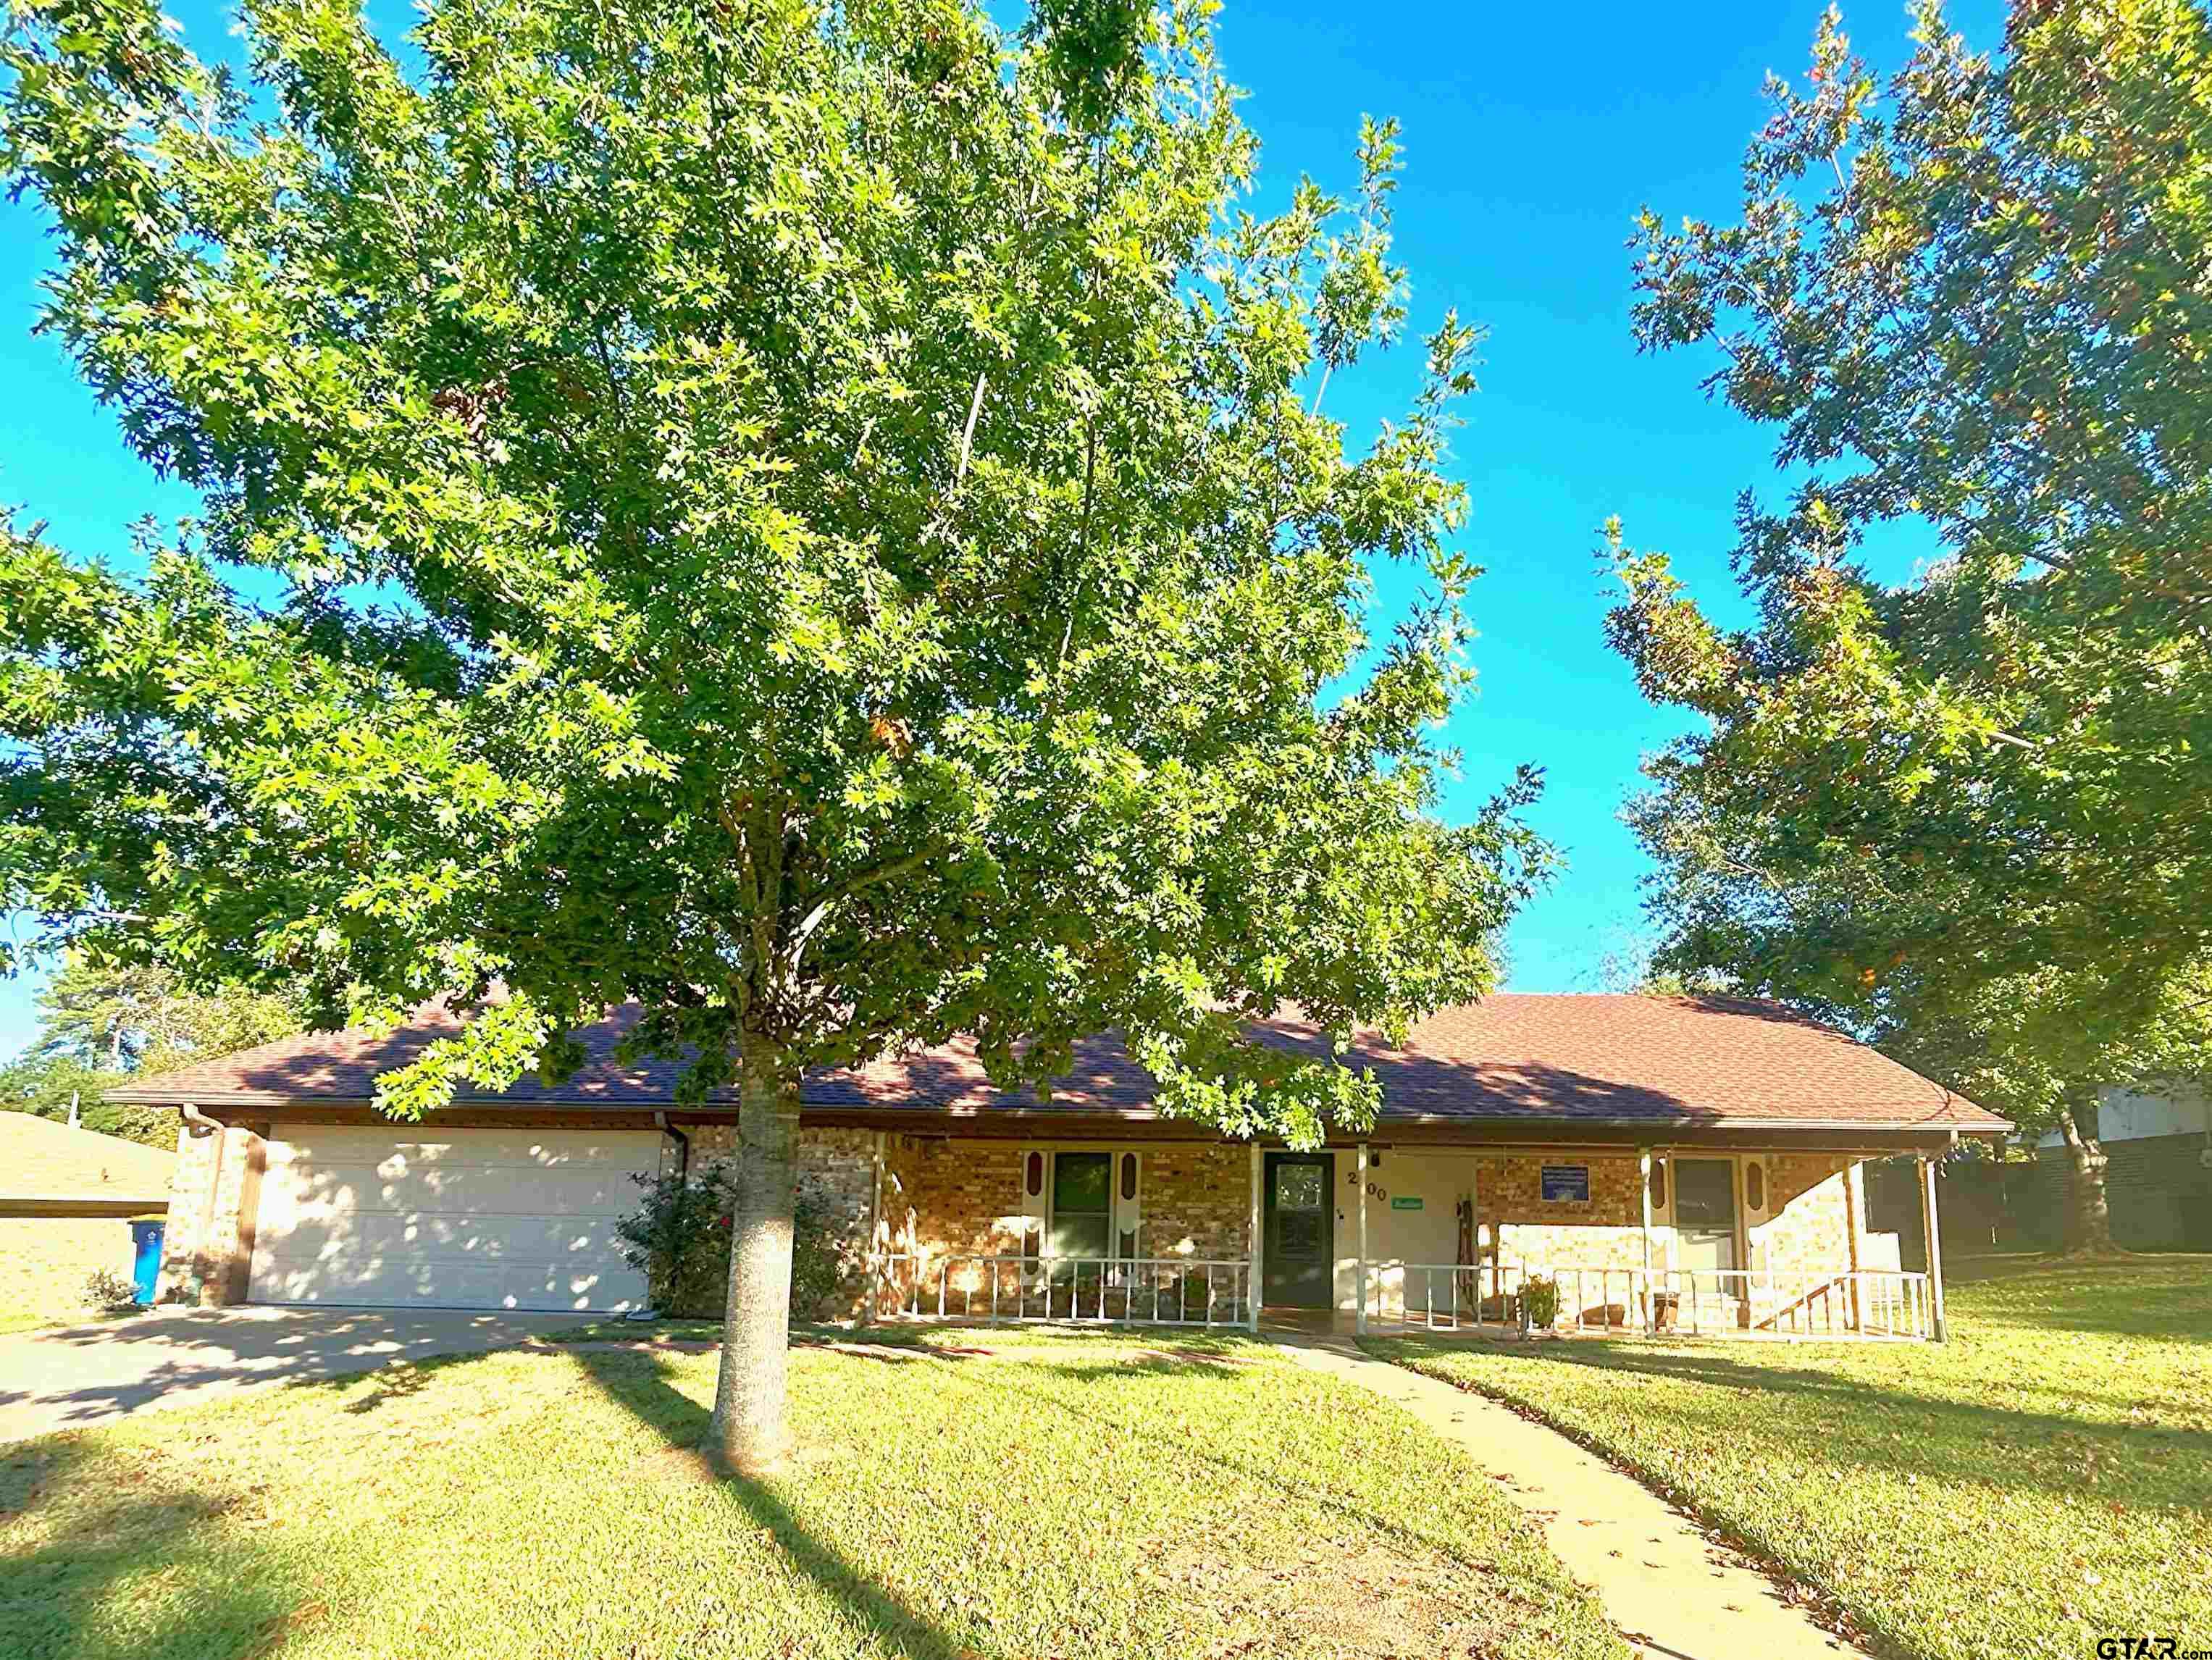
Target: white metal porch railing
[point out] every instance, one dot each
(1142, 1291)
(1864, 1304)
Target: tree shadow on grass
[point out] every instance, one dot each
(125, 1568)
(1092, 1417)
(1904, 1432)
(2167, 1299)
(639, 1382)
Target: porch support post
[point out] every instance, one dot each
(1360, 1323)
(1934, 1233)
(1855, 1199)
(1253, 1246)
(876, 1263)
(1651, 1293)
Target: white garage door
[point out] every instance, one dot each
(472, 1220)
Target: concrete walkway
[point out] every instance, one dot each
(66, 1377)
(1673, 1593)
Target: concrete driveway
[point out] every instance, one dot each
(66, 1377)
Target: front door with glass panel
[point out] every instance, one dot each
(1301, 1230)
(1704, 1213)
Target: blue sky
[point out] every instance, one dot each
(1533, 135)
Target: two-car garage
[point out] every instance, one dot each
(470, 1219)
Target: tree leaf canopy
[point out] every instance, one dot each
(809, 518)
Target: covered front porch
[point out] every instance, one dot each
(1391, 1235)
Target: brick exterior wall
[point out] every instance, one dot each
(1808, 1225)
(182, 1270)
(837, 1168)
(1198, 1201)
(945, 1197)
(1808, 1232)
(953, 1198)
(1606, 1232)
(1805, 1227)
(964, 1198)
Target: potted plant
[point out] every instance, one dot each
(1540, 1303)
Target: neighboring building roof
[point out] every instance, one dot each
(1582, 1058)
(44, 1157)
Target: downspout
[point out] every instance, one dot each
(683, 1145)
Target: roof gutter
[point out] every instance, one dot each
(919, 1115)
(80, 1205)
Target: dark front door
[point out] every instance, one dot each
(1704, 1214)
(1301, 1227)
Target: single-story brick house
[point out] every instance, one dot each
(65, 1194)
(1669, 1161)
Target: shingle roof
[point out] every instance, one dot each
(44, 1157)
(1513, 1057)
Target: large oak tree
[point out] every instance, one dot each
(1970, 815)
(815, 519)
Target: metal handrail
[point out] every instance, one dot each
(1880, 1304)
(1119, 1290)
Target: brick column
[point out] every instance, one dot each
(192, 1203)
(214, 1203)
(237, 1212)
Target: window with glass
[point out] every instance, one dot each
(1082, 1204)
(1301, 1208)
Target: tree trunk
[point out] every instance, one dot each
(747, 1434)
(2089, 1214)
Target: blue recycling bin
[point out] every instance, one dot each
(146, 1258)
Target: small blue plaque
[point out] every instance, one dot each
(1566, 1185)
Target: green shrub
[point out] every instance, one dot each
(1540, 1301)
(826, 1259)
(679, 1238)
(109, 1292)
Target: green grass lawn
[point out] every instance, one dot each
(1082, 1496)
(2042, 1480)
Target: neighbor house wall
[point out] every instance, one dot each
(2156, 1180)
(2159, 1189)
(46, 1261)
